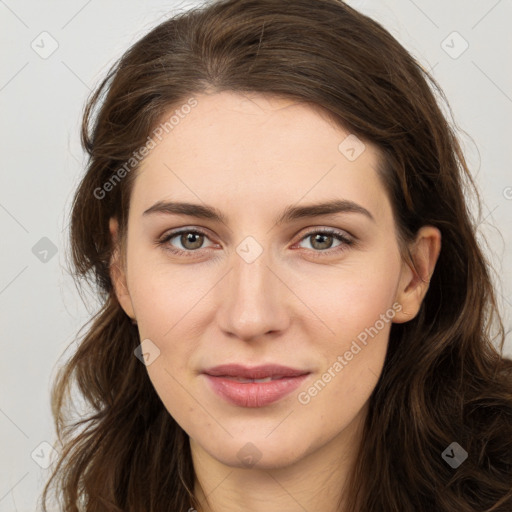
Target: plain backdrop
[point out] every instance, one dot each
(54, 53)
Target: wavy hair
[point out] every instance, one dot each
(445, 377)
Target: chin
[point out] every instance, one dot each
(258, 453)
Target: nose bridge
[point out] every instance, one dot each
(251, 300)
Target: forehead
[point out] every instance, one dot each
(255, 150)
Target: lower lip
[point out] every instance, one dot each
(254, 394)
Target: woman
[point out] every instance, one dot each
(296, 312)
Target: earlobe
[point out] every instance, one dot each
(416, 274)
(118, 273)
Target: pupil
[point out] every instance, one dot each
(189, 237)
(320, 237)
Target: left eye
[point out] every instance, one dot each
(324, 237)
(191, 240)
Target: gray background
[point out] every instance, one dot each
(41, 100)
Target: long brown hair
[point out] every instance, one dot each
(444, 378)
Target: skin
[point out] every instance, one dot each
(250, 156)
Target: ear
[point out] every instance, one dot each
(415, 275)
(118, 271)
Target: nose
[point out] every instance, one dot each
(253, 300)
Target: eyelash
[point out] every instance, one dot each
(347, 242)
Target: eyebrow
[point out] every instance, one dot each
(289, 214)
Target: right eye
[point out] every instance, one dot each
(190, 239)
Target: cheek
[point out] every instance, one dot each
(357, 308)
(352, 356)
(352, 297)
(164, 304)
(162, 292)
(365, 298)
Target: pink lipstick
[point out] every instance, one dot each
(256, 386)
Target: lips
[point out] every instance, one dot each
(274, 371)
(254, 387)
(241, 379)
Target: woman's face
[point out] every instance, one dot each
(267, 283)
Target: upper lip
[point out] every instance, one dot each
(254, 372)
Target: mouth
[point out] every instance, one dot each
(241, 379)
(262, 373)
(254, 387)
